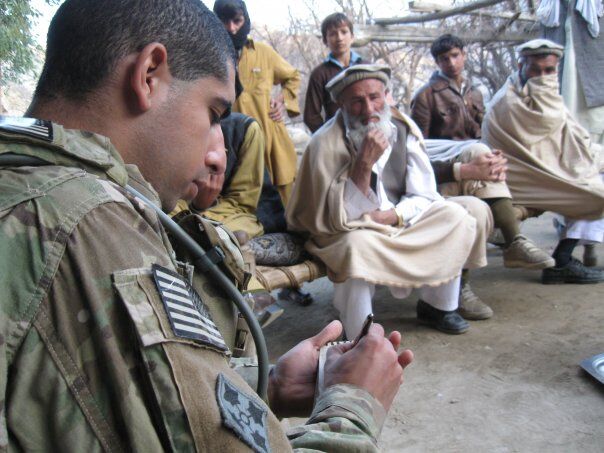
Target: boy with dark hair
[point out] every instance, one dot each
(448, 106)
(444, 44)
(338, 33)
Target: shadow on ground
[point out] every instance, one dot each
(512, 383)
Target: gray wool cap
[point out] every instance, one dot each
(540, 47)
(355, 73)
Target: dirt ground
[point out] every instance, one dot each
(511, 384)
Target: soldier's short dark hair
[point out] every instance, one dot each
(87, 39)
(335, 20)
(445, 43)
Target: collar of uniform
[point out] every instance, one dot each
(93, 149)
(354, 59)
(70, 147)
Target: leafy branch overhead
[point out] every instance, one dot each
(17, 44)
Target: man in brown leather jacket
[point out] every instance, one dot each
(448, 107)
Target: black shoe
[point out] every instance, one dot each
(573, 272)
(590, 259)
(445, 321)
(296, 296)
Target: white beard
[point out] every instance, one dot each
(356, 130)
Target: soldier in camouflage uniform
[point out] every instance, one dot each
(107, 341)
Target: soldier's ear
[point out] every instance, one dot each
(150, 79)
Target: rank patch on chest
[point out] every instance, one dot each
(243, 415)
(27, 126)
(188, 315)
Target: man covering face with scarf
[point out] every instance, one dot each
(552, 164)
(234, 16)
(259, 68)
(366, 195)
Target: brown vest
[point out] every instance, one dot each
(395, 173)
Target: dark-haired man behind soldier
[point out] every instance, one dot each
(107, 342)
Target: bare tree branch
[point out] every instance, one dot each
(437, 15)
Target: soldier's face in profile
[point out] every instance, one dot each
(452, 62)
(182, 136)
(214, 163)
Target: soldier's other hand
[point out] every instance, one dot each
(373, 364)
(277, 105)
(291, 389)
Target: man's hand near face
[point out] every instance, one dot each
(373, 364)
(372, 148)
(210, 186)
(208, 191)
(485, 167)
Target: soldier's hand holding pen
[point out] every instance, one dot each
(372, 364)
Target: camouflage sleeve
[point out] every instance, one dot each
(345, 418)
(247, 368)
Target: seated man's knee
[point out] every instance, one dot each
(472, 151)
(477, 209)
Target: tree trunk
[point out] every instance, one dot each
(2, 108)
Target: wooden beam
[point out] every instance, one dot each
(417, 18)
(527, 17)
(364, 34)
(422, 6)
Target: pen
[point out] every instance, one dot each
(364, 329)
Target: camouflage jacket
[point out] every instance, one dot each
(104, 343)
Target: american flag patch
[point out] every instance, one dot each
(27, 126)
(188, 314)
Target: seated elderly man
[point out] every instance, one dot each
(366, 195)
(552, 164)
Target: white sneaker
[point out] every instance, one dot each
(523, 253)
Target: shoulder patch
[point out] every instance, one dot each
(31, 127)
(188, 315)
(243, 415)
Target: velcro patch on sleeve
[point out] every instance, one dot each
(188, 315)
(243, 415)
(31, 127)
